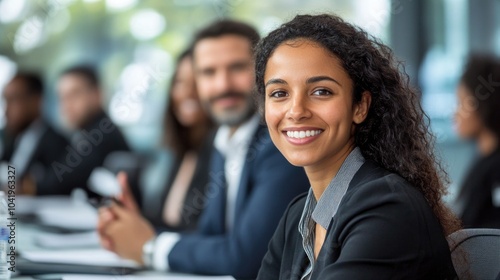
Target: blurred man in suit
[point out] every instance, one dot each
(96, 136)
(250, 183)
(29, 143)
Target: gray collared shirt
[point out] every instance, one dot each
(324, 210)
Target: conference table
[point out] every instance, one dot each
(26, 234)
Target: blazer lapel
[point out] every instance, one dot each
(245, 185)
(218, 182)
(301, 261)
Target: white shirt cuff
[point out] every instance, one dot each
(163, 245)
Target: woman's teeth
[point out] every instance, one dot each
(303, 133)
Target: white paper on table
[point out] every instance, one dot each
(78, 217)
(27, 205)
(138, 277)
(97, 257)
(67, 240)
(70, 213)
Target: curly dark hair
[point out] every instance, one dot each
(396, 132)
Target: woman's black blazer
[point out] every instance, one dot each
(384, 229)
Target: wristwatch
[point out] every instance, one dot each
(148, 252)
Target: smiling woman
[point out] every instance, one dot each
(336, 104)
(299, 106)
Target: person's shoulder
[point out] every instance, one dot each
(380, 191)
(266, 158)
(261, 139)
(261, 147)
(494, 162)
(53, 136)
(111, 133)
(373, 184)
(298, 203)
(372, 176)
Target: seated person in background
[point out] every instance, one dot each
(250, 182)
(188, 134)
(478, 119)
(29, 143)
(96, 135)
(336, 103)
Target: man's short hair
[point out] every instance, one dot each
(33, 82)
(86, 72)
(228, 27)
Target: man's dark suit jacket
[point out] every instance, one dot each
(384, 229)
(49, 148)
(268, 183)
(99, 138)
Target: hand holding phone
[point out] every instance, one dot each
(112, 188)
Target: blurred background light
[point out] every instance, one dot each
(187, 2)
(269, 24)
(158, 59)
(373, 16)
(147, 24)
(134, 76)
(127, 103)
(61, 3)
(120, 5)
(123, 109)
(11, 10)
(29, 35)
(8, 69)
(59, 22)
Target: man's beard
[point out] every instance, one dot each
(232, 116)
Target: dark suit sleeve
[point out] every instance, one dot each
(209, 223)
(51, 148)
(384, 235)
(75, 162)
(240, 252)
(71, 170)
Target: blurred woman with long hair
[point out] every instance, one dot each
(478, 119)
(188, 134)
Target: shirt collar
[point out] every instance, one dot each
(329, 201)
(37, 126)
(223, 142)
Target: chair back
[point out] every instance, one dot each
(476, 253)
